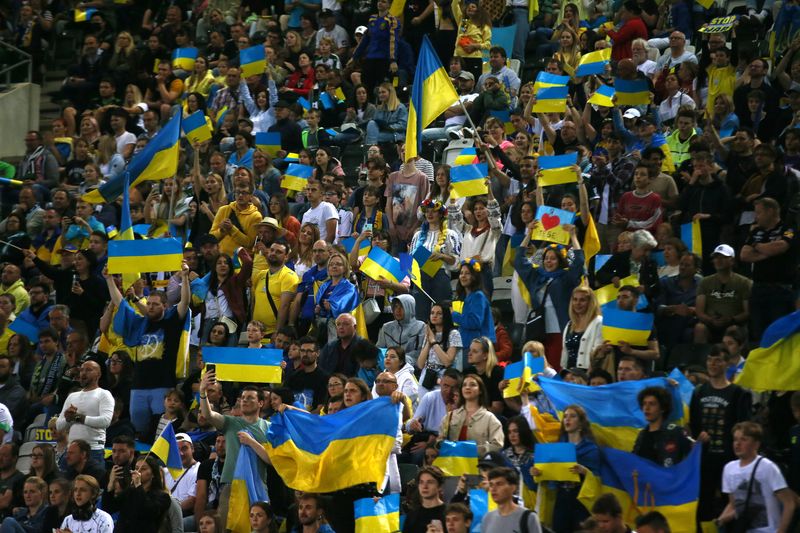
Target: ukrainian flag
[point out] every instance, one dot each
(555, 460)
(608, 293)
(380, 265)
(166, 448)
(628, 326)
(511, 253)
(296, 177)
(431, 94)
(184, 58)
(593, 62)
(246, 489)
(23, 327)
(221, 112)
(774, 364)
(521, 373)
(157, 161)
(557, 169)
(326, 101)
(196, 128)
(151, 255)
(468, 156)
(642, 486)
(9, 181)
(350, 242)
(327, 453)
(632, 92)
(546, 428)
(199, 288)
(504, 116)
(692, 238)
(382, 516)
(545, 79)
(126, 231)
(84, 15)
(253, 61)
(422, 256)
(291, 157)
(456, 458)
(480, 503)
(245, 364)
(469, 180)
(268, 142)
(529, 486)
(551, 100)
(304, 103)
(182, 358)
(603, 96)
(613, 410)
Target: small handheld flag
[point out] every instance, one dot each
(350, 242)
(196, 128)
(296, 177)
(551, 219)
(594, 62)
(253, 61)
(555, 460)
(151, 255)
(269, 142)
(692, 237)
(632, 92)
(504, 116)
(469, 180)
(626, 326)
(378, 516)
(245, 365)
(380, 265)
(184, 58)
(551, 100)
(557, 169)
(23, 327)
(166, 448)
(545, 79)
(84, 15)
(603, 96)
(456, 458)
(468, 156)
(520, 373)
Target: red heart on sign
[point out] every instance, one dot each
(550, 221)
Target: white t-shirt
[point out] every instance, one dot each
(764, 506)
(100, 522)
(319, 216)
(98, 407)
(187, 483)
(124, 140)
(6, 423)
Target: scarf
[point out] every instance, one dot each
(51, 380)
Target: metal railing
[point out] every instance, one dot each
(7, 70)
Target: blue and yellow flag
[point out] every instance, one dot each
(632, 92)
(199, 288)
(158, 160)
(608, 293)
(245, 364)
(380, 265)
(220, 117)
(511, 252)
(469, 180)
(774, 365)
(457, 458)
(246, 489)
(23, 327)
(626, 326)
(603, 96)
(327, 102)
(327, 453)
(304, 103)
(431, 94)
(480, 503)
(504, 116)
(382, 516)
(253, 61)
(642, 486)
(613, 410)
(348, 243)
(692, 237)
(296, 177)
(520, 373)
(182, 359)
(468, 156)
(557, 169)
(555, 460)
(84, 15)
(151, 255)
(292, 157)
(184, 58)
(269, 142)
(422, 257)
(196, 127)
(594, 62)
(546, 428)
(545, 79)
(551, 100)
(166, 448)
(126, 232)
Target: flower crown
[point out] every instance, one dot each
(432, 204)
(472, 263)
(559, 249)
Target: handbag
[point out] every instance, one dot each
(231, 324)
(371, 310)
(534, 325)
(742, 522)
(430, 379)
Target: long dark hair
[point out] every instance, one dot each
(435, 189)
(201, 101)
(516, 213)
(157, 485)
(477, 280)
(447, 323)
(525, 434)
(213, 283)
(283, 204)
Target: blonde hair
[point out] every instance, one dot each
(128, 49)
(488, 348)
(535, 347)
(392, 102)
(592, 311)
(106, 149)
(137, 93)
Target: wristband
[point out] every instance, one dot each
(203, 397)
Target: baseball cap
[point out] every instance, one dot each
(268, 221)
(361, 30)
(631, 113)
(183, 437)
(327, 13)
(724, 250)
(68, 249)
(466, 75)
(492, 460)
(644, 120)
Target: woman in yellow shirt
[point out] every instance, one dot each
(474, 36)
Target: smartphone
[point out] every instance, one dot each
(211, 367)
(367, 227)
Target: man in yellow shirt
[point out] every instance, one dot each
(274, 289)
(235, 223)
(721, 78)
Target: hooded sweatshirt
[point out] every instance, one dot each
(408, 332)
(243, 233)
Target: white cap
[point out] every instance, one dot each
(361, 29)
(723, 249)
(632, 113)
(183, 437)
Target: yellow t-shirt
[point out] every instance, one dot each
(721, 80)
(285, 280)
